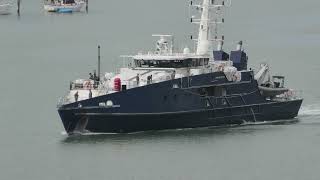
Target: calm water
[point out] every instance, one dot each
(41, 52)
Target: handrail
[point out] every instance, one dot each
(216, 85)
(74, 86)
(130, 79)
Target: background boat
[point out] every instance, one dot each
(64, 6)
(5, 7)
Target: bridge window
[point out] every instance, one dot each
(172, 63)
(200, 62)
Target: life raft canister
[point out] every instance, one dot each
(117, 84)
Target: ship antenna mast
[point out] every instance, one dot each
(162, 44)
(207, 24)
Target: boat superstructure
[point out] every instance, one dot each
(167, 89)
(63, 6)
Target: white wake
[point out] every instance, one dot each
(310, 110)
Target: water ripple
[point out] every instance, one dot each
(310, 110)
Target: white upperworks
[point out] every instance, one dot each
(163, 64)
(204, 30)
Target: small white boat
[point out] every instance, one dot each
(64, 6)
(5, 8)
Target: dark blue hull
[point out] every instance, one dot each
(94, 120)
(195, 103)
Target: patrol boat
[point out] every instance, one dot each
(166, 89)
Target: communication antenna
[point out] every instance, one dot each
(99, 62)
(162, 38)
(209, 22)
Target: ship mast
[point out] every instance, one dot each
(208, 24)
(204, 30)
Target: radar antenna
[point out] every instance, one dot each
(163, 47)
